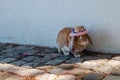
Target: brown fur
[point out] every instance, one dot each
(79, 43)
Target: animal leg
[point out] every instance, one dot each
(66, 50)
(59, 49)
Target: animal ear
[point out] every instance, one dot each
(90, 40)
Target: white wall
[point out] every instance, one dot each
(38, 21)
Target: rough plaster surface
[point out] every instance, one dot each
(39, 21)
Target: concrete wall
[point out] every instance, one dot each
(38, 21)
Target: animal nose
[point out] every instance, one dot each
(80, 37)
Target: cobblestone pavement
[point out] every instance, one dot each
(28, 62)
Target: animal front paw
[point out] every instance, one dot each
(78, 55)
(66, 53)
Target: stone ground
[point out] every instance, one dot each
(29, 62)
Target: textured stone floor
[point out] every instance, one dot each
(28, 62)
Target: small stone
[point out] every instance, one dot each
(112, 77)
(28, 72)
(94, 64)
(113, 67)
(45, 77)
(4, 75)
(116, 58)
(114, 63)
(104, 69)
(46, 68)
(7, 76)
(66, 77)
(57, 71)
(1, 72)
(6, 67)
(93, 76)
(13, 78)
(67, 66)
(78, 71)
(116, 71)
(75, 71)
(21, 71)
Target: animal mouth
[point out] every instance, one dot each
(83, 43)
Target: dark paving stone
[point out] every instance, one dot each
(29, 58)
(112, 77)
(30, 64)
(18, 63)
(52, 55)
(7, 50)
(63, 57)
(7, 60)
(93, 76)
(43, 60)
(12, 54)
(2, 57)
(74, 60)
(51, 50)
(2, 46)
(9, 47)
(31, 52)
(100, 56)
(17, 54)
(54, 62)
(40, 55)
(20, 47)
(40, 60)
